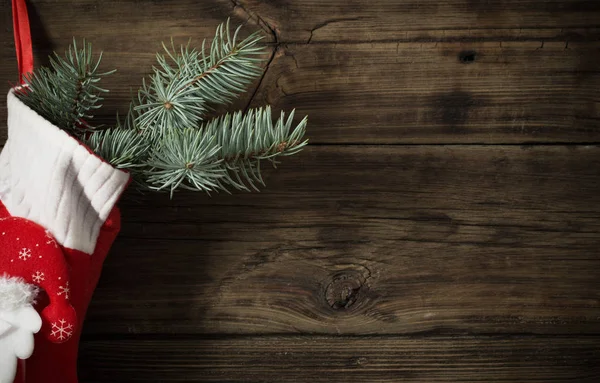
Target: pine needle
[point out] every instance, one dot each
(67, 94)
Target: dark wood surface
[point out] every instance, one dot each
(444, 225)
(345, 359)
(468, 239)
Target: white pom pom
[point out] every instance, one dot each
(16, 293)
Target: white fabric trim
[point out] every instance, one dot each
(50, 178)
(15, 293)
(18, 322)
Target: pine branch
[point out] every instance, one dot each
(188, 81)
(246, 140)
(66, 94)
(163, 142)
(225, 152)
(122, 148)
(229, 67)
(187, 160)
(162, 105)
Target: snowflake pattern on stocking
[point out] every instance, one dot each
(64, 290)
(24, 254)
(38, 277)
(50, 239)
(62, 330)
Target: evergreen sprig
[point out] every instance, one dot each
(187, 81)
(185, 159)
(122, 148)
(67, 93)
(223, 153)
(246, 140)
(164, 142)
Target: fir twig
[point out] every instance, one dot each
(186, 160)
(187, 81)
(246, 140)
(122, 148)
(67, 93)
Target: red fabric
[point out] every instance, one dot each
(22, 38)
(3, 212)
(28, 251)
(57, 363)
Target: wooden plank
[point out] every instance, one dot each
(419, 93)
(339, 359)
(126, 26)
(440, 92)
(369, 240)
(136, 23)
(426, 20)
(368, 93)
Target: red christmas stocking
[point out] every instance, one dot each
(56, 185)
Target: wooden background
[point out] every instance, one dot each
(443, 225)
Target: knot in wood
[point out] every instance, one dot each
(343, 291)
(467, 57)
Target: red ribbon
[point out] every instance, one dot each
(22, 38)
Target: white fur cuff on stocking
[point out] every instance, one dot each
(53, 180)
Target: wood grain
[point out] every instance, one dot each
(440, 92)
(136, 24)
(361, 263)
(511, 93)
(340, 359)
(363, 240)
(316, 21)
(404, 89)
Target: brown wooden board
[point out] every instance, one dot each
(341, 359)
(404, 89)
(440, 92)
(419, 92)
(130, 23)
(365, 239)
(405, 261)
(317, 21)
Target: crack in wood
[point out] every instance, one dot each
(262, 77)
(328, 22)
(258, 20)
